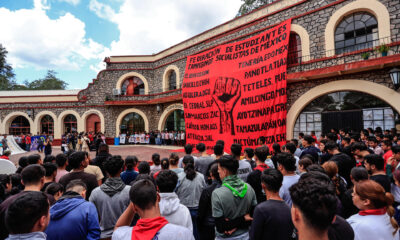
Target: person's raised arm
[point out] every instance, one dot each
(126, 218)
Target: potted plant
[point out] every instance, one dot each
(383, 49)
(365, 55)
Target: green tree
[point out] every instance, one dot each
(6, 72)
(49, 82)
(250, 5)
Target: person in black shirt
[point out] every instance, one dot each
(272, 218)
(254, 178)
(308, 142)
(374, 164)
(343, 161)
(357, 174)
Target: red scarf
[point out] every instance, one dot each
(379, 211)
(4, 157)
(146, 229)
(261, 167)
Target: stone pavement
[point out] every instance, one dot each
(142, 152)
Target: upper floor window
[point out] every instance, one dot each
(355, 32)
(294, 53)
(132, 86)
(172, 80)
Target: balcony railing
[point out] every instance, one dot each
(150, 96)
(351, 54)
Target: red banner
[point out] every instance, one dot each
(237, 92)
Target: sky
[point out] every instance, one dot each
(73, 37)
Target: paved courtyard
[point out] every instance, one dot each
(142, 152)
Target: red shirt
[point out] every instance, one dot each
(28, 140)
(386, 156)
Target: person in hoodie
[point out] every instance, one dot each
(235, 199)
(254, 178)
(112, 197)
(170, 206)
(72, 217)
(28, 216)
(151, 225)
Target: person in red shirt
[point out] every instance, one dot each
(28, 142)
(387, 148)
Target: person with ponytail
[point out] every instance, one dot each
(164, 166)
(189, 188)
(375, 218)
(130, 174)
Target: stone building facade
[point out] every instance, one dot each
(319, 65)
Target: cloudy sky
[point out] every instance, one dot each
(72, 37)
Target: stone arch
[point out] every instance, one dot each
(305, 40)
(88, 113)
(131, 110)
(10, 117)
(60, 122)
(371, 6)
(133, 74)
(170, 109)
(377, 90)
(165, 77)
(39, 117)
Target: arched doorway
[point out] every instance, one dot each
(20, 125)
(132, 86)
(70, 123)
(93, 123)
(350, 110)
(175, 121)
(131, 123)
(47, 125)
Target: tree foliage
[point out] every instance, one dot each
(250, 5)
(6, 72)
(49, 82)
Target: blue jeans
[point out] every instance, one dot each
(193, 214)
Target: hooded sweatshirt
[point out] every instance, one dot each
(174, 211)
(73, 218)
(111, 199)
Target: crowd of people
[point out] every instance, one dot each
(154, 137)
(342, 185)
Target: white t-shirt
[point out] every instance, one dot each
(168, 232)
(244, 169)
(372, 227)
(284, 193)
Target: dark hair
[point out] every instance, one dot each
(261, 139)
(173, 159)
(49, 158)
(141, 177)
(332, 136)
(261, 153)
(4, 180)
(295, 141)
(54, 188)
(236, 149)
(131, 162)
(33, 159)
(309, 139)
(32, 174)
(218, 149)
(143, 194)
(113, 165)
(291, 147)
(229, 163)
(165, 164)
(50, 168)
(359, 173)
(372, 139)
(346, 139)
(358, 146)
(315, 168)
(305, 162)
(396, 149)
(188, 161)
(103, 148)
(355, 136)
(16, 183)
(330, 145)
(201, 147)
(214, 171)
(77, 182)
(276, 147)
(144, 167)
(272, 179)
(61, 159)
(75, 159)
(166, 181)
(156, 159)
(220, 142)
(374, 159)
(23, 161)
(25, 211)
(249, 152)
(387, 143)
(188, 148)
(287, 161)
(316, 200)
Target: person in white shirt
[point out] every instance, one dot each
(375, 218)
(287, 166)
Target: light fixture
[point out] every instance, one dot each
(158, 108)
(31, 112)
(395, 76)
